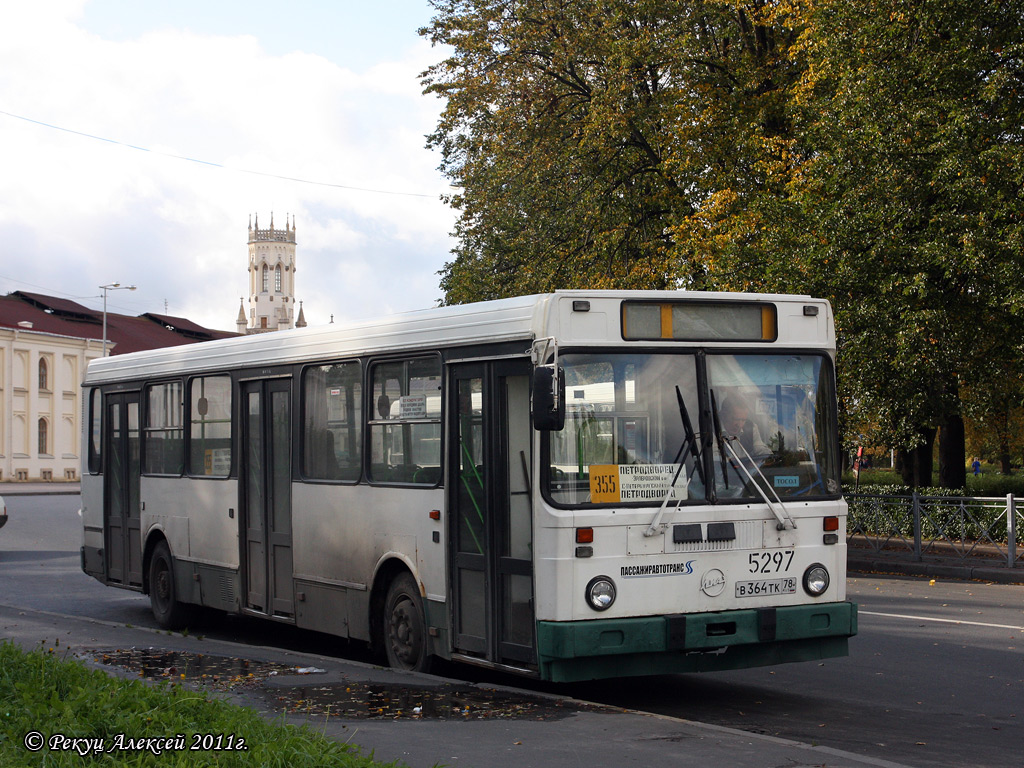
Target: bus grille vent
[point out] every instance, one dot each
(227, 590)
(749, 535)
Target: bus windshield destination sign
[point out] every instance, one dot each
(615, 483)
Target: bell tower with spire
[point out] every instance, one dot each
(271, 279)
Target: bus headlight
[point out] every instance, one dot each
(601, 593)
(816, 580)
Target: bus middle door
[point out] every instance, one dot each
(491, 516)
(266, 488)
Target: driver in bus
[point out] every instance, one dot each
(736, 423)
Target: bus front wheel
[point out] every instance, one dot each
(167, 610)
(405, 630)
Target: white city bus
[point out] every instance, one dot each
(576, 485)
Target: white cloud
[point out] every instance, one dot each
(79, 212)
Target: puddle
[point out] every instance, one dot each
(394, 702)
(220, 672)
(349, 700)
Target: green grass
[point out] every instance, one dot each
(41, 693)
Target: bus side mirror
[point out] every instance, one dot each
(548, 400)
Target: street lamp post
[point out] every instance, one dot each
(105, 288)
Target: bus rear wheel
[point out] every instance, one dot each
(163, 598)
(405, 629)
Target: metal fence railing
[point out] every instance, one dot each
(964, 527)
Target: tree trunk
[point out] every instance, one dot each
(952, 450)
(916, 463)
(1004, 440)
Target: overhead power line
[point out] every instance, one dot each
(215, 165)
(48, 291)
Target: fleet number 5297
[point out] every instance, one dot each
(777, 561)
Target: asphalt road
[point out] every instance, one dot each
(935, 677)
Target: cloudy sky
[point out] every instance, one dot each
(136, 138)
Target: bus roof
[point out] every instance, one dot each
(522, 318)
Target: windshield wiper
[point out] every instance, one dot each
(725, 441)
(719, 438)
(690, 438)
(689, 447)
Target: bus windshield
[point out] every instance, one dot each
(640, 427)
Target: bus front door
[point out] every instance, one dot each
(491, 519)
(266, 519)
(121, 519)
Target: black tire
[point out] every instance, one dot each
(168, 611)
(405, 630)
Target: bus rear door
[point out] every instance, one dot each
(121, 508)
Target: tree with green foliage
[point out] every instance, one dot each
(915, 111)
(866, 151)
(583, 134)
(994, 423)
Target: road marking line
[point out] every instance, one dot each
(943, 621)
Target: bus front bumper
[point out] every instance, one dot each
(696, 642)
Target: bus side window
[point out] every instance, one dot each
(332, 422)
(163, 451)
(405, 434)
(210, 426)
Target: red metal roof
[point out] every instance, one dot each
(125, 332)
(14, 311)
(186, 327)
(59, 306)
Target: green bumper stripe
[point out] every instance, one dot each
(693, 632)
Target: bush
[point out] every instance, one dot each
(994, 484)
(986, 484)
(887, 511)
(868, 477)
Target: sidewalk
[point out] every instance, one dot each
(40, 489)
(520, 730)
(903, 563)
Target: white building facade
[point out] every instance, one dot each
(40, 417)
(46, 344)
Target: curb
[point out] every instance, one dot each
(11, 494)
(40, 489)
(936, 570)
